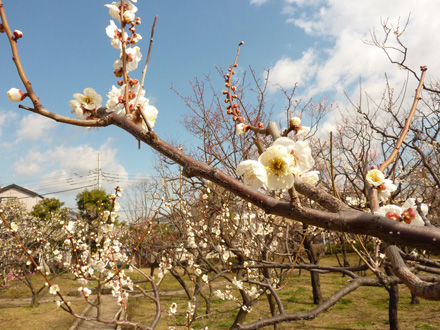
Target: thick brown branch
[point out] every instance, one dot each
(342, 219)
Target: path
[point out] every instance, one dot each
(109, 307)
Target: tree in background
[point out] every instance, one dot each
(46, 208)
(91, 202)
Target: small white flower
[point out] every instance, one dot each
(278, 163)
(406, 213)
(133, 56)
(375, 177)
(241, 128)
(253, 173)
(385, 189)
(172, 309)
(14, 226)
(311, 177)
(90, 100)
(54, 289)
(115, 34)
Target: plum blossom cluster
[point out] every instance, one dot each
(277, 167)
(128, 99)
(406, 213)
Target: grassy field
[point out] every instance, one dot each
(365, 308)
(16, 314)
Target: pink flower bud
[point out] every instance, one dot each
(18, 34)
(118, 72)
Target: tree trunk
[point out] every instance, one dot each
(393, 292)
(415, 299)
(314, 276)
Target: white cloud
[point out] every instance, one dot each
(344, 26)
(259, 2)
(34, 127)
(6, 118)
(71, 159)
(287, 72)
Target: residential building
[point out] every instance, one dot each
(15, 192)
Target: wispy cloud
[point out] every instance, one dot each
(34, 127)
(347, 59)
(258, 2)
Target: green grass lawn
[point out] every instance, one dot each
(20, 316)
(365, 308)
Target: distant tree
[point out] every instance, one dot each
(47, 207)
(91, 202)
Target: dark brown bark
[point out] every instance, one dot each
(393, 304)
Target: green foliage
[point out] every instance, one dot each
(90, 202)
(46, 208)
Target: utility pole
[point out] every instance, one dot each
(99, 170)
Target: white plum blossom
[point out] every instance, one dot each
(129, 11)
(16, 95)
(90, 100)
(301, 153)
(406, 213)
(278, 163)
(295, 123)
(311, 177)
(14, 226)
(375, 177)
(54, 289)
(241, 128)
(115, 35)
(173, 309)
(302, 131)
(253, 173)
(148, 111)
(133, 56)
(84, 105)
(385, 189)
(135, 38)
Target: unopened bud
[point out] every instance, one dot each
(118, 72)
(260, 125)
(18, 34)
(2, 29)
(374, 167)
(16, 95)
(295, 121)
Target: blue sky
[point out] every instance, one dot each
(317, 43)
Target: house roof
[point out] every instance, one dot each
(23, 190)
